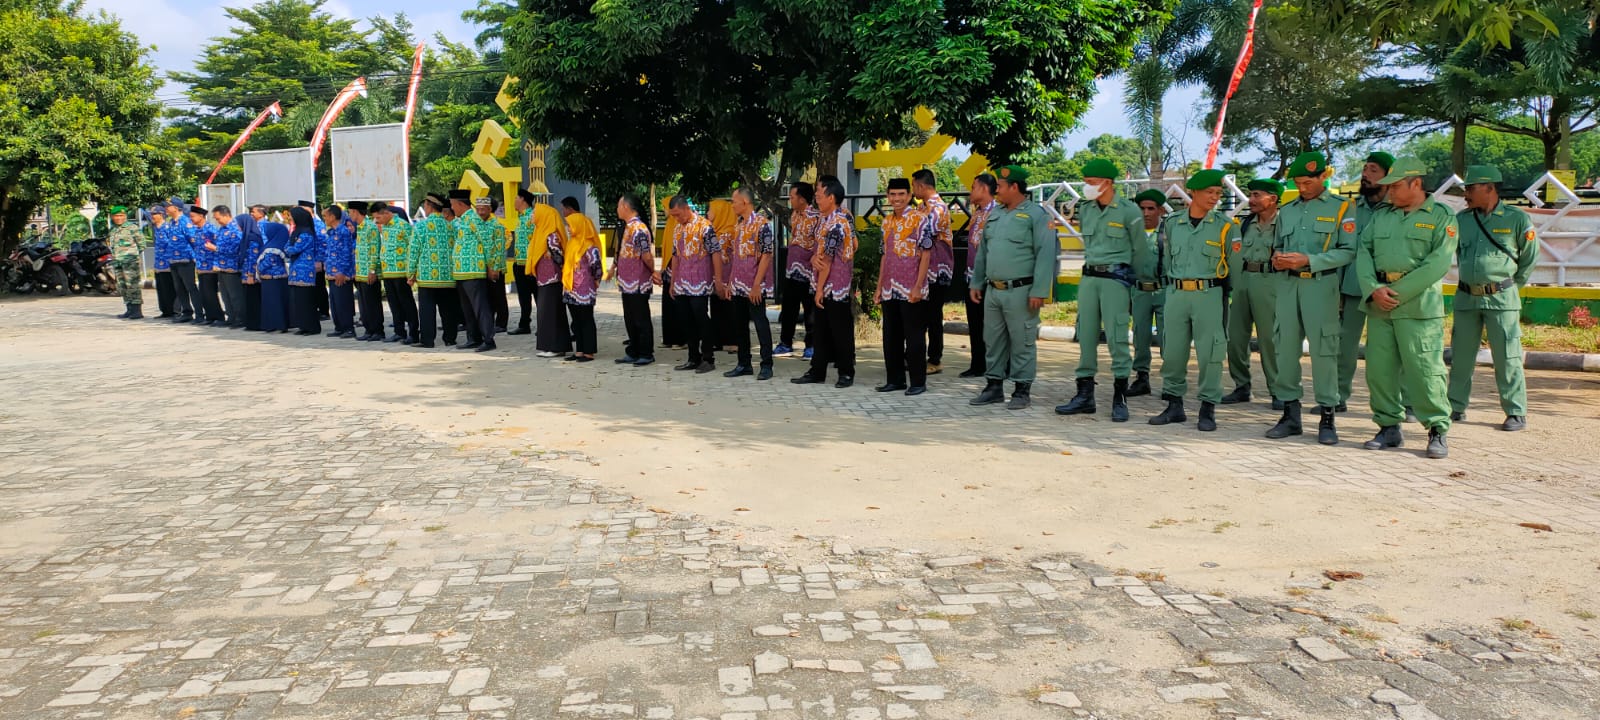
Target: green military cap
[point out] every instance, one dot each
(1267, 185)
(1479, 174)
(1153, 195)
(1101, 168)
(1012, 173)
(1404, 168)
(1308, 164)
(1383, 159)
(117, 210)
(1205, 179)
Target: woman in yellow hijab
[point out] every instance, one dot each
(580, 278)
(546, 257)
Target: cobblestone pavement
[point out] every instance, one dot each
(256, 556)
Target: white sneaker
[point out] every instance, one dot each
(548, 354)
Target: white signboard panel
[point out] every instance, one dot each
(278, 178)
(369, 163)
(230, 194)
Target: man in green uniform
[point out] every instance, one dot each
(1352, 320)
(1113, 244)
(1147, 293)
(429, 268)
(1012, 277)
(1193, 264)
(1401, 264)
(126, 242)
(1497, 253)
(1316, 236)
(1253, 292)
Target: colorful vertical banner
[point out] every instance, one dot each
(274, 110)
(411, 96)
(1239, 68)
(356, 88)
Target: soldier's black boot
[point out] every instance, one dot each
(1289, 424)
(1436, 445)
(1082, 403)
(1119, 400)
(992, 393)
(1325, 432)
(1411, 414)
(126, 311)
(1514, 423)
(1173, 413)
(1387, 437)
(1140, 385)
(1208, 417)
(1021, 397)
(135, 312)
(1240, 394)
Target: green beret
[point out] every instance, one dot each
(1480, 174)
(117, 210)
(1101, 168)
(1308, 164)
(1153, 195)
(1012, 173)
(1205, 179)
(1267, 185)
(1404, 168)
(1383, 159)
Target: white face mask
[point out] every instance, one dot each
(1091, 191)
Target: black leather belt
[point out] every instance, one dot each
(1010, 284)
(1148, 286)
(1307, 274)
(1488, 288)
(1257, 267)
(1104, 271)
(1195, 284)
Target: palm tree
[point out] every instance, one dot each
(1168, 55)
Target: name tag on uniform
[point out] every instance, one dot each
(1023, 216)
(1115, 224)
(1502, 230)
(1426, 226)
(1323, 219)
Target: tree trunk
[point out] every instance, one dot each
(13, 219)
(1561, 125)
(1458, 145)
(828, 145)
(1158, 163)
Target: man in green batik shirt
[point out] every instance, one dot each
(1404, 256)
(126, 243)
(1012, 277)
(521, 275)
(430, 265)
(1147, 294)
(1113, 243)
(1253, 292)
(1351, 318)
(1496, 256)
(1316, 236)
(1193, 265)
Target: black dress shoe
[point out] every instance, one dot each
(807, 379)
(334, 334)
(347, 335)
(765, 374)
(500, 329)
(626, 360)
(394, 338)
(423, 345)
(705, 367)
(1341, 407)
(485, 347)
(585, 358)
(1458, 416)
(739, 371)
(450, 341)
(641, 362)
(971, 373)
(918, 390)
(890, 387)
(689, 365)
(845, 381)
(570, 358)
(470, 346)
(1514, 423)
(519, 331)
(303, 333)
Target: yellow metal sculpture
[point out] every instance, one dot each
(492, 144)
(926, 154)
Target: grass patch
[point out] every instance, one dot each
(1224, 526)
(432, 528)
(1360, 634)
(1516, 624)
(1380, 617)
(1164, 522)
(1059, 313)
(1582, 614)
(42, 634)
(1038, 691)
(1297, 592)
(1150, 576)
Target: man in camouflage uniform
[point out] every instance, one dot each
(126, 242)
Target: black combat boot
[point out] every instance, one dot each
(993, 392)
(1325, 432)
(1240, 394)
(1514, 423)
(126, 311)
(1387, 437)
(1289, 424)
(1083, 402)
(1140, 385)
(1437, 449)
(1119, 400)
(1173, 413)
(1020, 397)
(1208, 417)
(135, 312)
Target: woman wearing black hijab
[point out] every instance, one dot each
(272, 272)
(249, 251)
(304, 253)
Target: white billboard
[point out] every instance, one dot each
(230, 194)
(369, 163)
(278, 178)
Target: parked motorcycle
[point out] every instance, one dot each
(90, 267)
(38, 267)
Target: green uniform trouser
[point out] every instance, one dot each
(1011, 334)
(1103, 305)
(130, 282)
(1409, 353)
(1505, 346)
(1146, 311)
(1308, 309)
(1352, 319)
(1253, 303)
(1193, 315)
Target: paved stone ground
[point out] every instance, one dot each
(262, 558)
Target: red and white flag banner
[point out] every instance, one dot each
(273, 110)
(356, 88)
(1239, 67)
(411, 95)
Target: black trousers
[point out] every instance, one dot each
(210, 297)
(583, 330)
(672, 320)
(749, 312)
(641, 330)
(439, 306)
(555, 333)
(232, 285)
(933, 305)
(469, 316)
(904, 342)
(165, 293)
(795, 308)
(975, 335)
(252, 306)
(527, 285)
(303, 309)
(723, 321)
(835, 343)
(402, 305)
(342, 306)
(188, 296)
(695, 311)
(497, 300)
(370, 295)
(324, 305)
(477, 312)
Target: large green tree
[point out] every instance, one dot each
(642, 91)
(77, 113)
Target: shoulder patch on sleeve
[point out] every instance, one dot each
(1528, 235)
(1349, 226)
(1450, 230)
